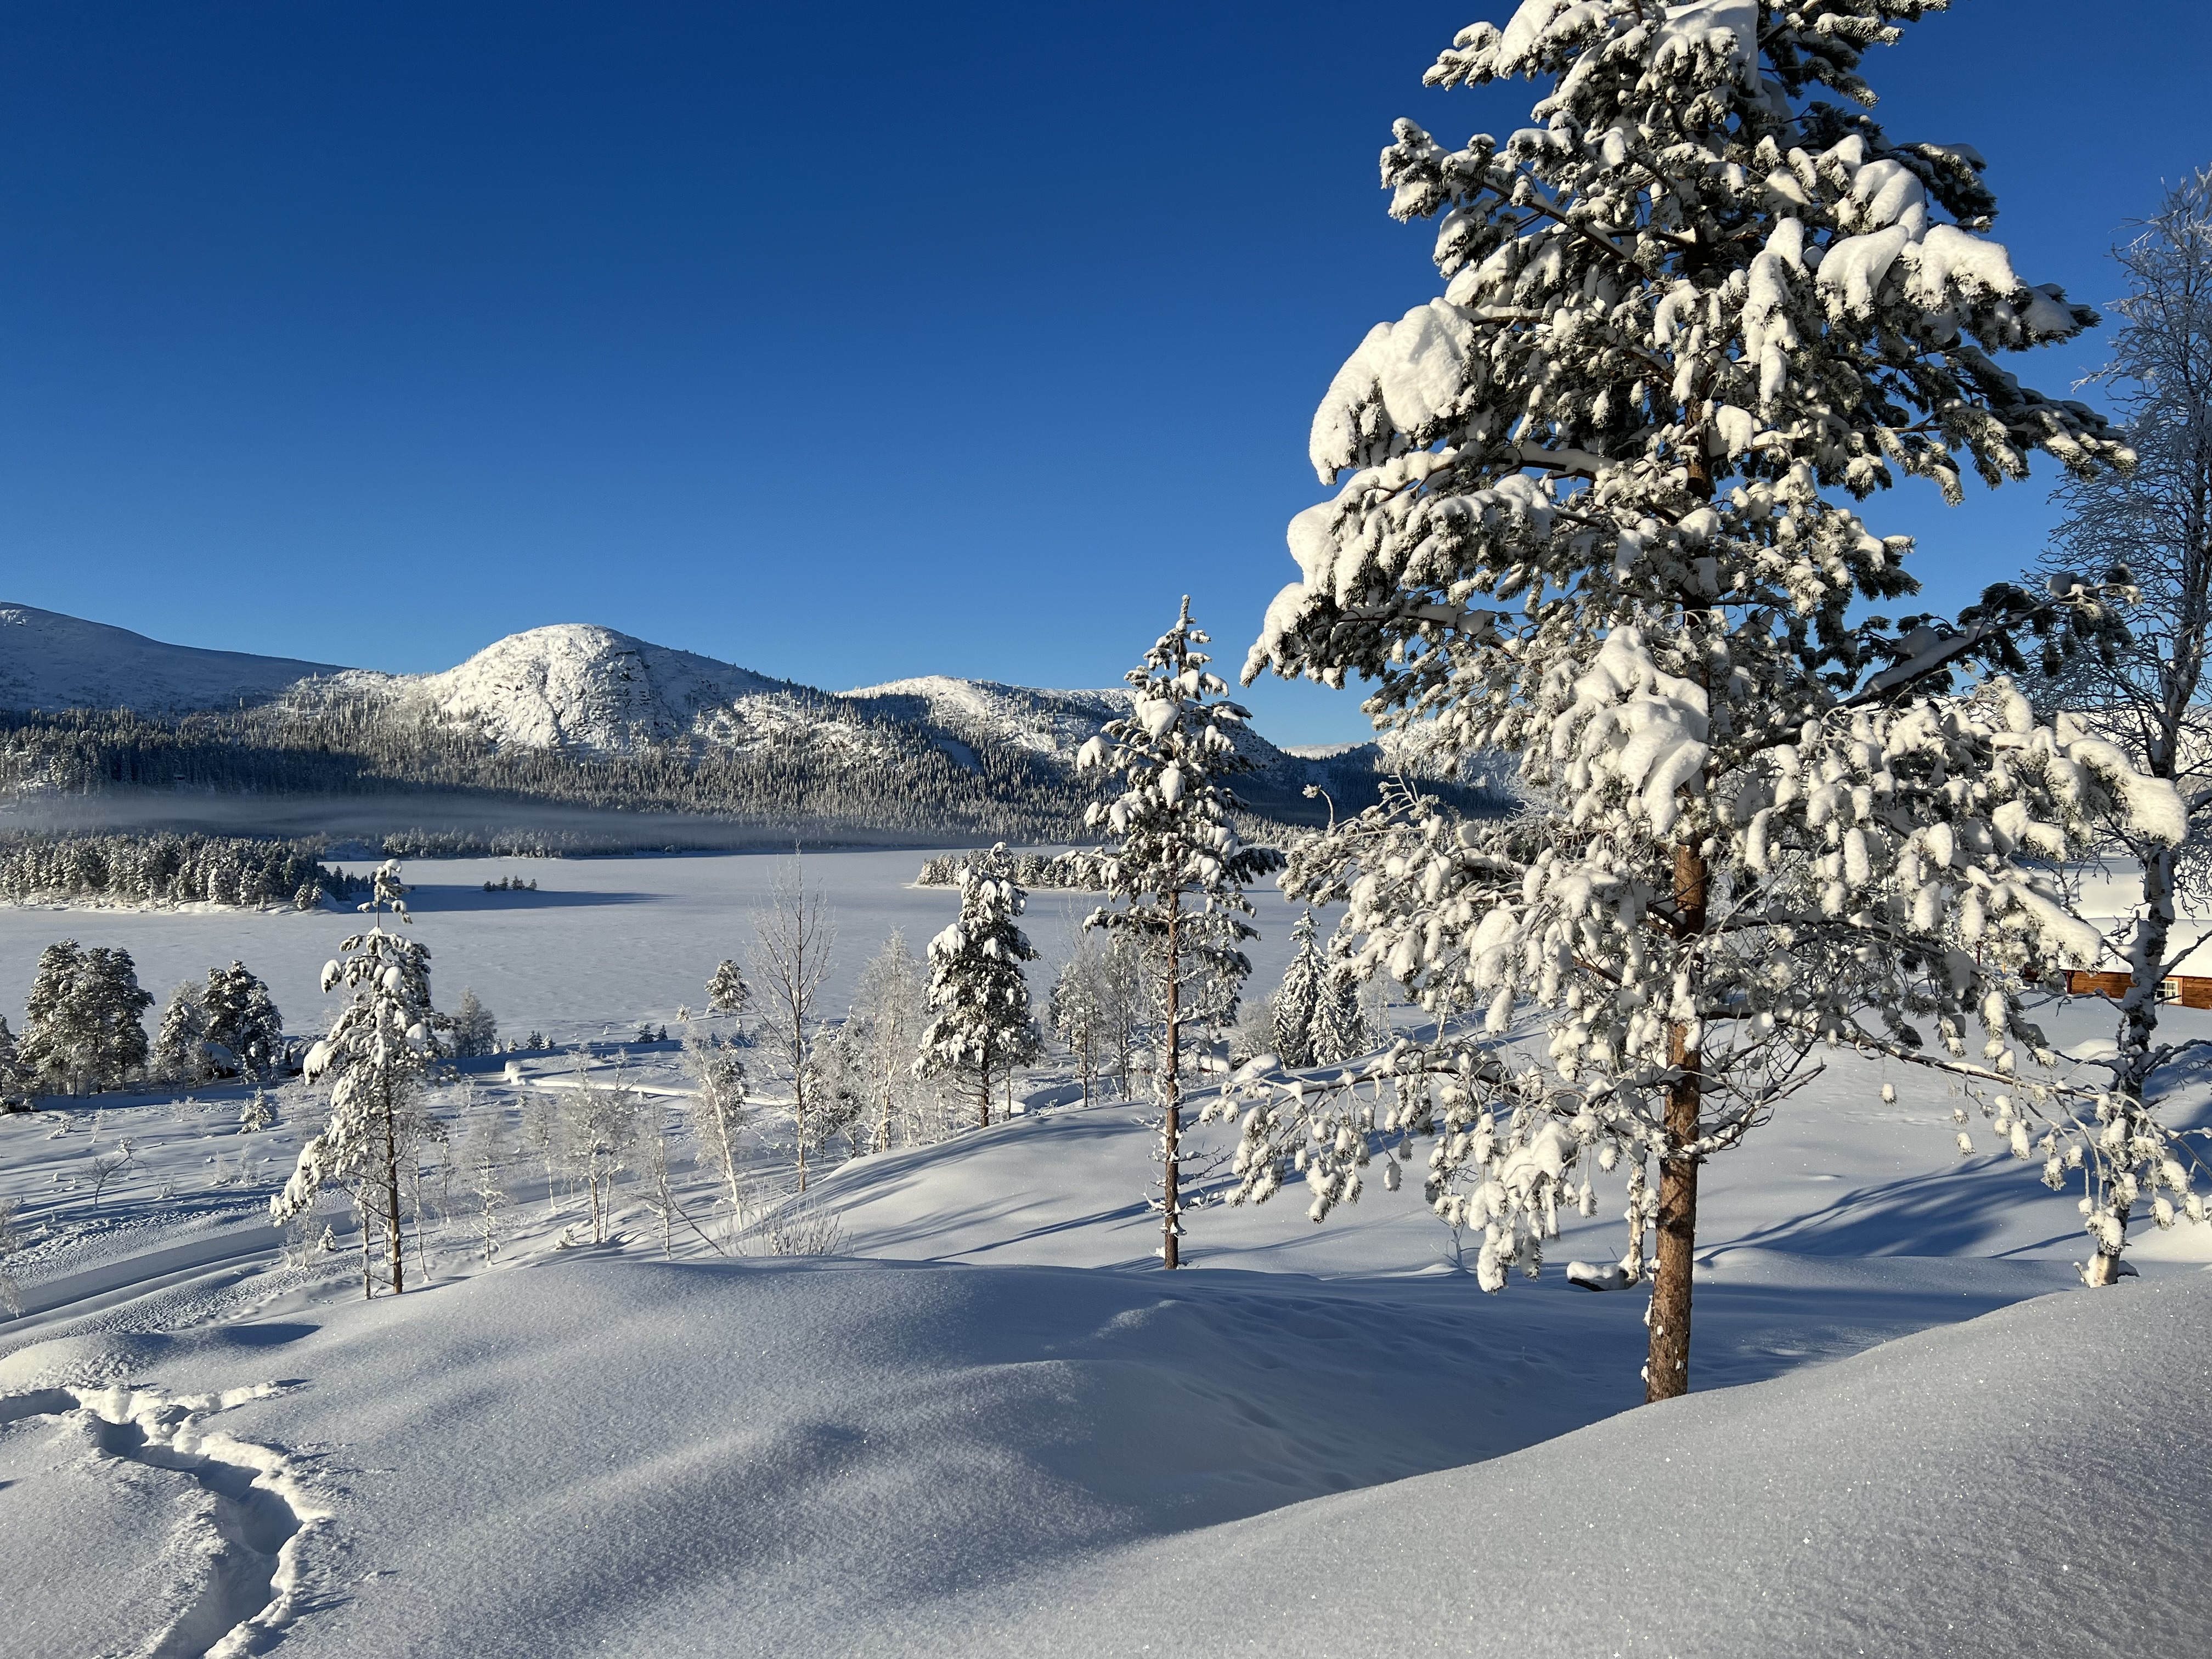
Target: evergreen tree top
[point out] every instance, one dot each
(1681, 310)
(1172, 814)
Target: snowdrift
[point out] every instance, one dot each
(607, 1456)
(2028, 1483)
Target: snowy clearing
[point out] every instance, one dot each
(988, 1422)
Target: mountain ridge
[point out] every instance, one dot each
(590, 718)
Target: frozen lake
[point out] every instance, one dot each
(601, 946)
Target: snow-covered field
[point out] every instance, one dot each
(988, 1424)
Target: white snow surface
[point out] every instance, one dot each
(48, 661)
(991, 1424)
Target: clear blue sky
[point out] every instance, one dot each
(846, 343)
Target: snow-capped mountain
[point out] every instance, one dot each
(577, 686)
(48, 661)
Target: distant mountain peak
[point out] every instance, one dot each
(580, 686)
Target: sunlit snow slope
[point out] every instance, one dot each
(48, 661)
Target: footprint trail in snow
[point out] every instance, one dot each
(214, 1526)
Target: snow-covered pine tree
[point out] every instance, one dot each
(980, 1029)
(1590, 519)
(14, 1086)
(181, 1046)
(1176, 857)
(52, 1041)
(242, 1019)
(2146, 693)
(1299, 1000)
(374, 1057)
(475, 1032)
(728, 992)
(81, 1025)
(114, 1011)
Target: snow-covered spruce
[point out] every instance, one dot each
(1175, 876)
(728, 992)
(1298, 999)
(2153, 525)
(1589, 519)
(82, 1028)
(374, 1057)
(981, 1028)
(245, 1031)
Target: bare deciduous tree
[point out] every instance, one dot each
(2150, 527)
(794, 935)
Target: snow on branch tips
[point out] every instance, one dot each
(1597, 505)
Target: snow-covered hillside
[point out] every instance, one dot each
(574, 686)
(48, 661)
(1051, 723)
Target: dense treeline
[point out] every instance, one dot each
(168, 869)
(1076, 870)
(832, 771)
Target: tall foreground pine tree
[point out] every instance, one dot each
(1175, 876)
(1587, 513)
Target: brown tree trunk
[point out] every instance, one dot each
(1171, 1127)
(395, 1243)
(1666, 1368)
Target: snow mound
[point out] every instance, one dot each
(48, 661)
(577, 685)
(1940, 1494)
